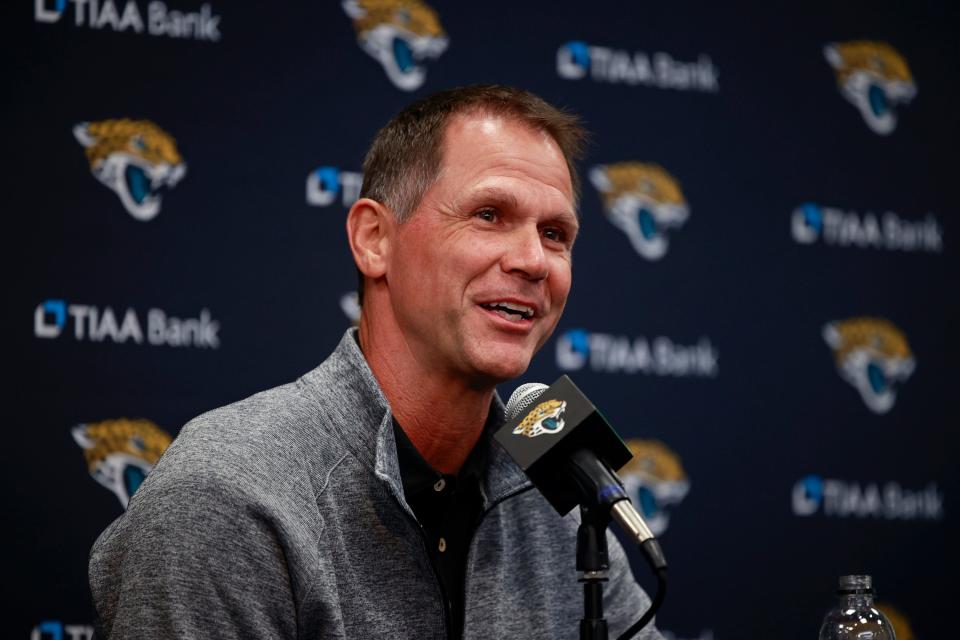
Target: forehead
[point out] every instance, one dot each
(478, 143)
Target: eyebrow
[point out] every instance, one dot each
(502, 198)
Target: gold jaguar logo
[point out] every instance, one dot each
(874, 77)
(545, 418)
(133, 158)
(655, 480)
(872, 355)
(120, 453)
(400, 35)
(643, 201)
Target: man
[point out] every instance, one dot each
(367, 499)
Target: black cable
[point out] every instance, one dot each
(661, 574)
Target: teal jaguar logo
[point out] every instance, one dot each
(655, 480)
(546, 417)
(871, 354)
(874, 78)
(134, 159)
(643, 201)
(120, 453)
(399, 34)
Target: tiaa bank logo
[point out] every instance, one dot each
(134, 159)
(120, 453)
(56, 630)
(577, 60)
(98, 324)
(327, 184)
(655, 481)
(399, 34)
(875, 78)
(661, 356)
(156, 20)
(811, 223)
(834, 498)
(643, 201)
(871, 354)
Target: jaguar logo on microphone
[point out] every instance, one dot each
(545, 418)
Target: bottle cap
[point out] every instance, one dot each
(855, 584)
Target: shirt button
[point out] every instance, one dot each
(442, 545)
(438, 486)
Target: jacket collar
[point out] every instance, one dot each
(365, 424)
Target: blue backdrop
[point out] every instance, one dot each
(762, 299)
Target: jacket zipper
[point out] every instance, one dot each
(473, 534)
(425, 545)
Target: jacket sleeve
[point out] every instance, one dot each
(195, 556)
(624, 601)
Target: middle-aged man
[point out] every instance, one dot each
(367, 499)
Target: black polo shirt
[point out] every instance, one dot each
(448, 508)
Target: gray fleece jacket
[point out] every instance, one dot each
(283, 516)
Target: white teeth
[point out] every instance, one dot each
(519, 308)
(510, 310)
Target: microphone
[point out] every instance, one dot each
(570, 452)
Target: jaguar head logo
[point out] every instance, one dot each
(655, 480)
(399, 34)
(875, 78)
(120, 453)
(872, 355)
(643, 201)
(546, 417)
(135, 159)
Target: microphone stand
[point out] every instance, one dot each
(593, 563)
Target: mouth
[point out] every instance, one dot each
(403, 55)
(648, 224)
(877, 378)
(138, 183)
(878, 100)
(511, 311)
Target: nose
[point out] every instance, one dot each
(524, 254)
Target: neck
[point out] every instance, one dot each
(443, 416)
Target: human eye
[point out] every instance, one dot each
(555, 234)
(488, 215)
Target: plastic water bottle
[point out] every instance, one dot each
(855, 617)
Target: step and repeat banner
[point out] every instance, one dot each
(765, 286)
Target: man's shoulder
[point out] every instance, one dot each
(270, 433)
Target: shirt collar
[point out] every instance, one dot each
(417, 475)
(367, 431)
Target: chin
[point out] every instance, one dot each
(497, 370)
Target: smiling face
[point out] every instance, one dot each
(479, 276)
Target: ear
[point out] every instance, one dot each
(79, 433)
(599, 179)
(370, 227)
(82, 133)
(831, 335)
(832, 54)
(353, 9)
